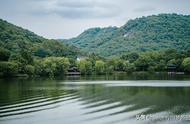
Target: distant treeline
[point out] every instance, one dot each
(24, 62)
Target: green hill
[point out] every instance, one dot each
(150, 33)
(14, 38)
(23, 53)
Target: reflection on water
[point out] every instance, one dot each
(60, 101)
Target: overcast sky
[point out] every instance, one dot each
(68, 18)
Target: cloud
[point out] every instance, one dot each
(68, 18)
(145, 9)
(78, 9)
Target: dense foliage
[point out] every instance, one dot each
(186, 64)
(150, 33)
(140, 45)
(156, 61)
(23, 52)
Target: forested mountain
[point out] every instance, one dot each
(24, 53)
(136, 46)
(14, 38)
(149, 33)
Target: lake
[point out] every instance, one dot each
(115, 99)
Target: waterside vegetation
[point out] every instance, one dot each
(24, 53)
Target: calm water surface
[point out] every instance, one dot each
(117, 99)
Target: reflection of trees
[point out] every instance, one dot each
(27, 96)
(133, 76)
(16, 90)
(174, 100)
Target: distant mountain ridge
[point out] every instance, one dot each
(141, 34)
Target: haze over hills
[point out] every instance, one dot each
(141, 34)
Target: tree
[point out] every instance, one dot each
(27, 55)
(143, 62)
(112, 62)
(131, 57)
(120, 65)
(85, 66)
(109, 69)
(29, 69)
(170, 54)
(129, 67)
(8, 68)
(161, 66)
(62, 65)
(41, 53)
(38, 65)
(186, 64)
(51, 66)
(4, 54)
(17, 58)
(100, 67)
(172, 62)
